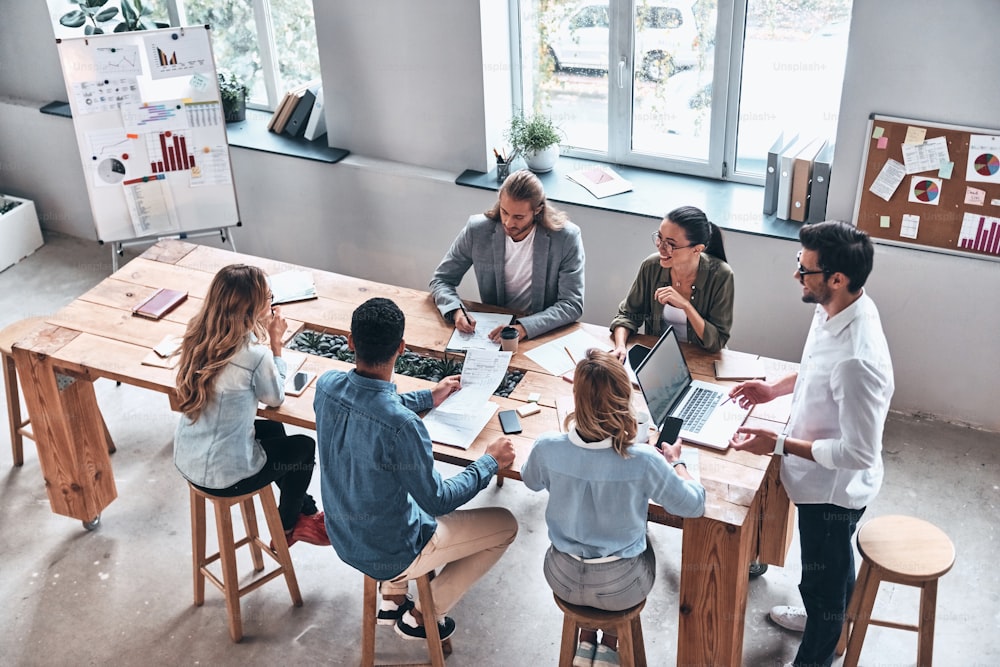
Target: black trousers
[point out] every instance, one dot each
(825, 533)
(290, 463)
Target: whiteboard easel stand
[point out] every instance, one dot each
(118, 247)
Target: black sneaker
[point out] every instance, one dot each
(390, 616)
(407, 631)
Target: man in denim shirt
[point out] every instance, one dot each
(388, 511)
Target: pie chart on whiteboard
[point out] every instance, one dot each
(986, 164)
(111, 170)
(926, 191)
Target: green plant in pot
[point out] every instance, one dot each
(536, 137)
(93, 14)
(234, 90)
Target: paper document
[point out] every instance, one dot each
(692, 460)
(888, 179)
(289, 286)
(561, 355)
(461, 417)
(600, 181)
(479, 339)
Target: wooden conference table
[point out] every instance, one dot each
(747, 514)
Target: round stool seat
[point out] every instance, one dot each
(592, 616)
(906, 547)
(15, 331)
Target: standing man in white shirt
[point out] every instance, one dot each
(527, 257)
(832, 445)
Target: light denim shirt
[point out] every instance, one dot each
(219, 449)
(380, 489)
(598, 500)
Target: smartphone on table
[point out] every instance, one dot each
(509, 421)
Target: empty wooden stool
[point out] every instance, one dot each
(229, 584)
(11, 334)
(901, 550)
(436, 648)
(628, 625)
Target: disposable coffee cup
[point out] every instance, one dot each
(508, 339)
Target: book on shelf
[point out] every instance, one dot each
(159, 303)
(296, 124)
(316, 126)
(293, 285)
(600, 181)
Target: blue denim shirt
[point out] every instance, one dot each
(380, 489)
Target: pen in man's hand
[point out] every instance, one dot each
(468, 318)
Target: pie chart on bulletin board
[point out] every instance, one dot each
(926, 191)
(986, 164)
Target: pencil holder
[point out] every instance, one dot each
(503, 171)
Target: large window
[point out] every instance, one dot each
(271, 43)
(694, 86)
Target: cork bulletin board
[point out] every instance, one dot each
(931, 186)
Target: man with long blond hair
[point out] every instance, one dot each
(601, 475)
(527, 257)
(225, 370)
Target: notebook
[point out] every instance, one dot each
(161, 302)
(709, 418)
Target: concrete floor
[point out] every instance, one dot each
(122, 594)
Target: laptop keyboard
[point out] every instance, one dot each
(698, 408)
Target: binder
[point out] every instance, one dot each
(785, 163)
(296, 124)
(316, 126)
(820, 185)
(771, 174)
(802, 168)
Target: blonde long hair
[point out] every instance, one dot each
(237, 299)
(602, 399)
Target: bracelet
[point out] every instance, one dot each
(679, 462)
(779, 445)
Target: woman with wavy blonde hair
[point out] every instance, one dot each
(225, 370)
(600, 476)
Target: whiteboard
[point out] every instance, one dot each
(151, 133)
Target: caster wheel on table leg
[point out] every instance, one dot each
(93, 523)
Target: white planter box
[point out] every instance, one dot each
(20, 234)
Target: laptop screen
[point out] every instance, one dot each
(663, 376)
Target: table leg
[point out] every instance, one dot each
(713, 594)
(777, 518)
(70, 435)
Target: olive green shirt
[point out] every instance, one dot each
(711, 295)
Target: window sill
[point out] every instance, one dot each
(733, 206)
(252, 134)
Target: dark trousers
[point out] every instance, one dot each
(825, 533)
(290, 463)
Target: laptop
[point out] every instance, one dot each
(666, 384)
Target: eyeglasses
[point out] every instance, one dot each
(658, 242)
(803, 271)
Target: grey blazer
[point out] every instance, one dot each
(556, 278)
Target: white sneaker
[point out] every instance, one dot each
(790, 618)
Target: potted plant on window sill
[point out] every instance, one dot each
(233, 89)
(536, 138)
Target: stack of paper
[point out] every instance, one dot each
(600, 181)
(463, 415)
(561, 355)
(291, 286)
(480, 338)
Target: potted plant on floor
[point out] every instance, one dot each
(233, 89)
(537, 138)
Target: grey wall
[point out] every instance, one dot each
(391, 209)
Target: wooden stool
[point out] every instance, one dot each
(901, 550)
(229, 585)
(19, 430)
(436, 648)
(627, 624)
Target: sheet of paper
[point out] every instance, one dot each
(910, 226)
(983, 165)
(884, 222)
(692, 459)
(479, 339)
(878, 132)
(925, 190)
(555, 359)
(151, 205)
(926, 156)
(600, 181)
(888, 179)
(459, 429)
(882, 143)
(975, 196)
(915, 135)
(944, 171)
(482, 373)
(291, 285)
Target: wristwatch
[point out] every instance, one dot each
(779, 445)
(679, 462)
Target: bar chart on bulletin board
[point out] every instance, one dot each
(151, 132)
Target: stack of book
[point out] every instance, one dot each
(300, 113)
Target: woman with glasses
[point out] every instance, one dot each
(231, 361)
(686, 283)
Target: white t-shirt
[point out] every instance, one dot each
(678, 318)
(517, 272)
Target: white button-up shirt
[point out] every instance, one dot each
(840, 403)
